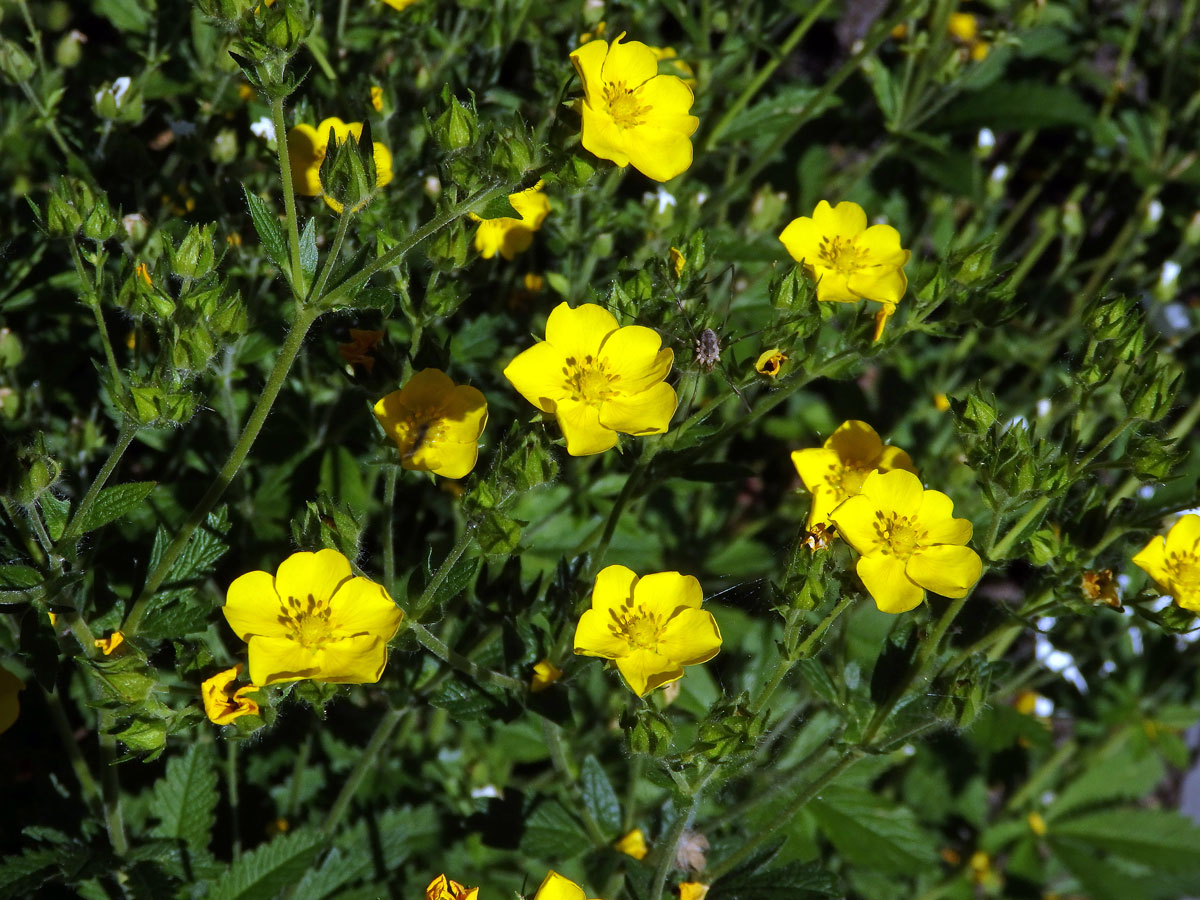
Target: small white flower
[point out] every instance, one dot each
(119, 87)
(999, 173)
(1176, 317)
(1043, 707)
(701, 196)
(1170, 274)
(1154, 212)
(1043, 407)
(263, 128)
(665, 200)
(986, 140)
(488, 791)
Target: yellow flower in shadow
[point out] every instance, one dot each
(837, 469)
(109, 644)
(224, 701)
(435, 423)
(651, 626)
(596, 378)
(908, 541)
(508, 236)
(545, 673)
(770, 362)
(313, 619)
(631, 114)
(308, 146)
(633, 844)
(358, 351)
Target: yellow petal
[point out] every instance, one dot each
(537, 374)
(884, 578)
(555, 886)
(275, 659)
(648, 412)
(1153, 560)
(801, 239)
(318, 574)
(883, 284)
(660, 153)
(946, 569)
(356, 660)
(464, 414)
(633, 844)
(491, 235)
(532, 204)
(580, 424)
(690, 637)
(383, 163)
(449, 459)
(856, 443)
(936, 516)
(306, 149)
(578, 333)
(663, 593)
(341, 130)
(632, 63)
(613, 588)
(815, 465)
(601, 136)
(595, 636)
(897, 491)
(644, 671)
(252, 605)
(632, 354)
(846, 220)
(1184, 536)
(832, 286)
(881, 244)
(669, 100)
(895, 458)
(588, 61)
(825, 500)
(361, 606)
(855, 519)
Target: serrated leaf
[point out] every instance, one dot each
(1123, 777)
(599, 797)
(498, 208)
(553, 834)
(794, 881)
(1016, 106)
(308, 248)
(114, 502)
(1156, 838)
(21, 876)
(457, 580)
(206, 546)
(185, 798)
(269, 868)
(1100, 879)
(270, 232)
(464, 700)
(18, 576)
(54, 511)
(871, 832)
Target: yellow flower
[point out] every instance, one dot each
(597, 378)
(1174, 562)
(224, 701)
(534, 282)
(633, 844)
(435, 423)
(559, 887)
(307, 147)
(545, 673)
(941, 402)
(143, 272)
(400, 4)
(769, 363)
(597, 32)
(1099, 586)
(964, 28)
(313, 619)
(508, 236)
(442, 888)
(631, 114)
(10, 704)
(668, 55)
(1036, 823)
(692, 890)
(908, 541)
(109, 644)
(358, 351)
(651, 627)
(377, 97)
(678, 261)
(836, 470)
(848, 260)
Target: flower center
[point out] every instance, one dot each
(640, 628)
(847, 478)
(623, 105)
(1184, 569)
(424, 428)
(842, 255)
(589, 381)
(901, 535)
(307, 620)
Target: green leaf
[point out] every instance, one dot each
(463, 699)
(498, 208)
(201, 553)
(869, 831)
(308, 248)
(21, 876)
(457, 580)
(185, 798)
(269, 868)
(54, 511)
(1100, 879)
(553, 834)
(114, 502)
(599, 797)
(131, 16)
(793, 881)
(1162, 840)
(1122, 777)
(18, 576)
(270, 232)
(1016, 106)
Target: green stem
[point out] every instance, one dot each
(289, 197)
(113, 820)
(804, 651)
(1001, 549)
(93, 301)
(764, 74)
(427, 596)
(129, 429)
(231, 786)
(629, 815)
(618, 508)
(558, 756)
(283, 364)
(314, 295)
(293, 796)
(87, 783)
(456, 660)
(370, 759)
(390, 477)
(670, 845)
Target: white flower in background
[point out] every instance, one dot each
(264, 128)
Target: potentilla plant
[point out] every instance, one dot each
(598, 451)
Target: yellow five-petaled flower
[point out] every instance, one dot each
(837, 469)
(908, 541)
(313, 619)
(308, 146)
(435, 423)
(508, 236)
(631, 114)
(651, 627)
(596, 378)
(1174, 562)
(847, 260)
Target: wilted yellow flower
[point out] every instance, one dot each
(1174, 562)
(508, 236)
(651, 627)
(10, 703)
(545, 673)
(908, 541)
(847, 260)
(224, 701)
(307, 147)
(358, 351)
(313, 619)
(631, 114)
(678, 261)
(533, 282)
(770, 362)
(435, 423)
(1099, 586)
(692, 890)
(837, 469)
(633, 844)
(109, 644)
(558, 887)
(442, 888)
(596, 378)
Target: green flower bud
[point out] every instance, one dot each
(195, 257)
(348, 177)
(457, 127)
(15, 63)
(11, 351)
(100, 224)
(285, 24)
(119, 101)
(1154, 400)
(224, 147)
(69, 51)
